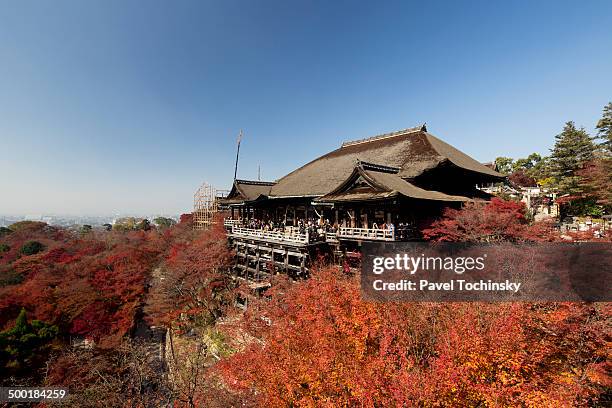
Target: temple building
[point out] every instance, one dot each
(379, 188)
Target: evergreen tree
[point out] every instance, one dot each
(604, 128)
(32, 248)
(26, 345)
(573, 148)
(21, 324)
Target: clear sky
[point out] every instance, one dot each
(128, 106)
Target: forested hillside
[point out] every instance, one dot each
(78, 310)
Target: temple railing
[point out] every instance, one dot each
(376, 234)
(331, 237)
(228, 222)
(292, 237)
(295, 237)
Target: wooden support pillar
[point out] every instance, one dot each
(286, 260)
(302, 263)
(236, 258)
(257, 255)
(272, 260)
(246, 262)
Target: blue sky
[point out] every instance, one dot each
(127, 106)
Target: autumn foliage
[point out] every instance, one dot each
(194, 280)
(88, 287)
(91, 287)
(318, 344)
(597, 180)
(494, 221)
(306, 343)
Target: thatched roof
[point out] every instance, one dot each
(412, 151)
(247, 190)
(380, 182)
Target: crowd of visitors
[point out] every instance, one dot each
(318, 228)
(303, 226)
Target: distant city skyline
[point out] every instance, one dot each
(128, 106)
(67, 220)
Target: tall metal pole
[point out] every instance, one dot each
(237, 154)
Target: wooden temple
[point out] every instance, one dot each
(375, 189)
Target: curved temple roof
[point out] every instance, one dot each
(384, 183)
(247, 190)
(412, 151)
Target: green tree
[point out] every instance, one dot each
(26, 345)
(32, 248)
(527, 163)
(126, 224)
(540, 169)
(504, 164)
(21, 324)
(85, 228)
(534, 166)
(573, 148)
(604, 128)
(132, 223)
(164, 222)
(5, 231)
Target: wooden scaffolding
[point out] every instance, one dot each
(205, 206)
